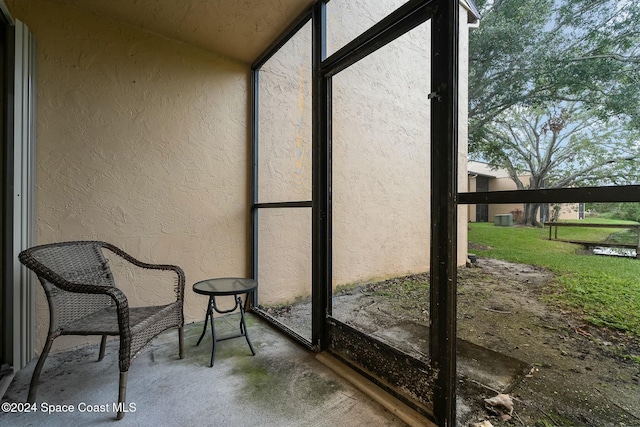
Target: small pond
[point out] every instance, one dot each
(625, 252)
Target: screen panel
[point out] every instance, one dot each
(284, 122)
(381, 214)
(284, 267)
(347, 19)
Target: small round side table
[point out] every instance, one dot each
(226, 286)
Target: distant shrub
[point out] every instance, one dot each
(518, 215)
(622, 211)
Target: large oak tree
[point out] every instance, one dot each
(534, 63)
(559, 147)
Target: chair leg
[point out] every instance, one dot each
(33, 388)
(122, 394)
(103, 344)
(181, 342)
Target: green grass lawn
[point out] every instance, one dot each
(606, 290)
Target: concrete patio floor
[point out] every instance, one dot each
(283, 385)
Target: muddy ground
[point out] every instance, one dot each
(579, 374)
(575, 374)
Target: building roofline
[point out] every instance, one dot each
(473, 15)
(475, 174)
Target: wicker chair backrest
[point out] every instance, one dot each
(81, 263)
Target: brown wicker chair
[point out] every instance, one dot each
(83, 300)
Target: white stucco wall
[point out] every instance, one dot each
(142, 142)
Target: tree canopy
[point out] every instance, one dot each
(535, 51)
(562, 147)
(554, 90)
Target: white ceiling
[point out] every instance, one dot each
(240, 29)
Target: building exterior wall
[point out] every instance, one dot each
(463, 132)
(141, 142)
(471, 209)
(505, 184)
(501, 182)
(381, 147)
(381, 170)
(569, 211)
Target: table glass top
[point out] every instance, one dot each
(225, 286)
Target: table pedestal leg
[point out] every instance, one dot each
(211, 308)
(244, 325)
(206, 320)
(213, 336)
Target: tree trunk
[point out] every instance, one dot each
(531, 214)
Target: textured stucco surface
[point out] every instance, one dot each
(142, 142)
(380, 143)
(381, 127)
(381, 174)
(347, 19)
(240, 29)
(284, 159)
(284, 173)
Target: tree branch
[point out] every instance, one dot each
(614, 56)
(572, 179)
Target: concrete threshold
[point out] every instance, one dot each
(404, 412)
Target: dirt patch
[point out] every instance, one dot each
(576, 374)
(477, 246)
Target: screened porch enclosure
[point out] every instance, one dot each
(342, 188)
(345, 178)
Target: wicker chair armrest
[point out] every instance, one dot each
(122, 311)
(118, 297)
(168, 267)
(122, 308)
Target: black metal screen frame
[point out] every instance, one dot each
(287, 35)
(622, 193)
(444, 15)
